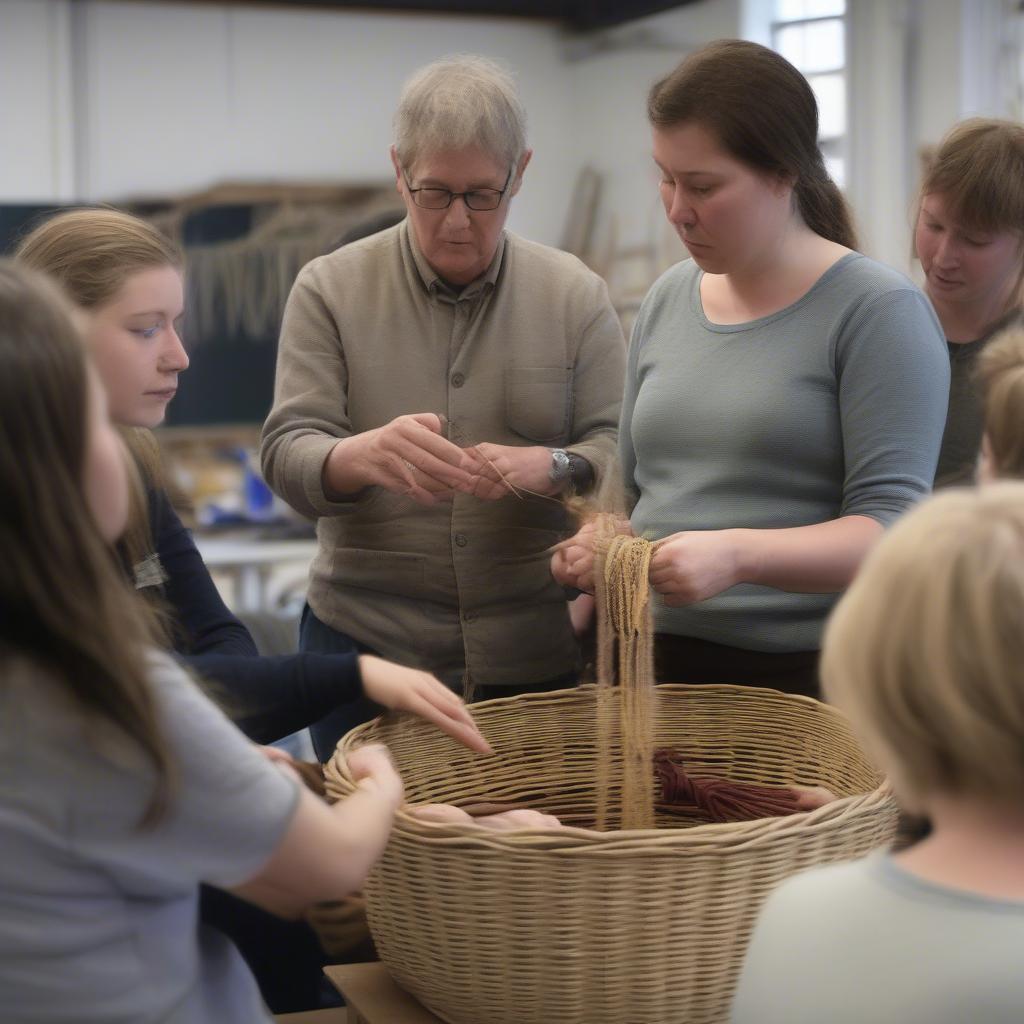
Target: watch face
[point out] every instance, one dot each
(560, 464)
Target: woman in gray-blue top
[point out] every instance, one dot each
(785, 395)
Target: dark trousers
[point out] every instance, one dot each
(315, 635)
(492, 692)
(684, 659)
(319, 638)
(285, 957)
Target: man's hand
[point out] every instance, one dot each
(572, 564)
(500, 469)
(407, 456)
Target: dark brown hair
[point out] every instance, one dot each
(763, 113)
(65, 606)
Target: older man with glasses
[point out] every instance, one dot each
(440, 385)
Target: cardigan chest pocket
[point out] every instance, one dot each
(538, 402)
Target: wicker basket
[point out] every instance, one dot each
(565, 926)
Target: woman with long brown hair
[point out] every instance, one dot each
(123, 786)
(784, 394)
(127, 280)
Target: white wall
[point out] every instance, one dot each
(882, 123)
(102, 99)
(173, 97)
(36, 141)
(609, 98)
(916, 68)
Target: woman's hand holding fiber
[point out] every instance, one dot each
(695, 565)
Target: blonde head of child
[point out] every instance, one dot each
(1001, 375)
(924, 653)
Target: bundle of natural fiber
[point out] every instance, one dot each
(238, 288)
(624, 625)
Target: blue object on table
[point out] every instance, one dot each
(259, 499)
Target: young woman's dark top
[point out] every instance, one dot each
(268, 697)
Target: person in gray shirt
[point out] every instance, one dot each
(924, 654)
(785, 395)
(121, 786)
(970, 242)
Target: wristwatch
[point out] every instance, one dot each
(561, 466)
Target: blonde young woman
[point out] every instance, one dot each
(924, 653)
(969, 237)
(124, 787)
(127, 278)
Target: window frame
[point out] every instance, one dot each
(833, 147)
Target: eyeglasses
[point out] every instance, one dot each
(479, 199)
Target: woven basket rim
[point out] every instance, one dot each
(712, 836)
(587, 689)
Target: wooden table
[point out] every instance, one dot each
(374, 998)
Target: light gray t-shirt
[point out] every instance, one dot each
(866, 942)
(833, 406)
(98, 918)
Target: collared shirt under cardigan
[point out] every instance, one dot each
(531, 353)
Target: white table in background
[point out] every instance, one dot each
(250, 563)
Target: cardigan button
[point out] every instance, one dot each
(461, 540)
(458, 380)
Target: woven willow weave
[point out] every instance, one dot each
(584, 927)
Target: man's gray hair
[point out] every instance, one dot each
(458, 102)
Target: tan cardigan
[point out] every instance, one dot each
(531, 353)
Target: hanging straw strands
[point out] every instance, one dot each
(624, 626)
(624, 633)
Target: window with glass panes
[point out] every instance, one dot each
(811, 35)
